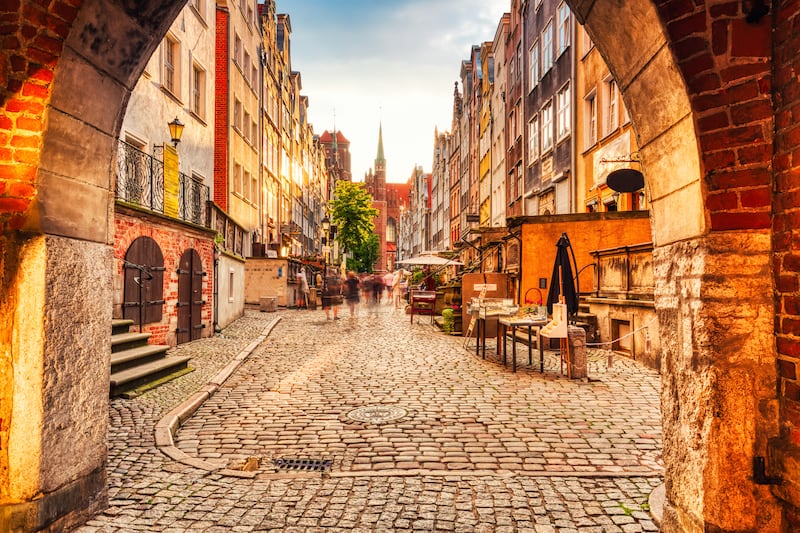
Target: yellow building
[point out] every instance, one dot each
(605, 138)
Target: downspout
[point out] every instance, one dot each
(573, 189)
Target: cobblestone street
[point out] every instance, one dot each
(419, 432)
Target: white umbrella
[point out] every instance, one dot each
(428, 260)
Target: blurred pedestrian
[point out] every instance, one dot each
(377, 288)
(351, 293)
(399, 283)
(332, 294)
(302, 289)
(388, 283)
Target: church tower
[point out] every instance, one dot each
(375, 183)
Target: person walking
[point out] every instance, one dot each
(399, 285)
(332, 294)
(302, 289)
(352, 292)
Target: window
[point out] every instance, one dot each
(587, 41)
(254, 75)
(231, 285)
(590, 114)
(254, 189)
(533, 61)
(237, 49)
(246, 126)
(611, 109)
(519, 61)
(171, 67)
(547, 126)
(237, 178)
(533, 139)
(198, 91)
(246, 66)
(254, 136)
(237, 115)
(564, 116)
(547, 47)
(563, 28)
(199, 7)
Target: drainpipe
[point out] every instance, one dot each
(215, 295)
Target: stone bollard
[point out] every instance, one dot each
(268, 304)
(577, 351)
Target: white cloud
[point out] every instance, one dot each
(390, 62)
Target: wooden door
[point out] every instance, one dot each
(143, 293)
(190, 297)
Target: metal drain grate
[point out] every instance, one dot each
(304, 465)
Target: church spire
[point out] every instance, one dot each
(379, 158)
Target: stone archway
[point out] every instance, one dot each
(698, 81)
(55, 253)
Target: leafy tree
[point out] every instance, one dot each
(365, 255)
(353, 214)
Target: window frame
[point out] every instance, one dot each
(546, 112)
(563, 112)
(535, 65)
(534, 140)
(563, 28)
(198, 100)
(171, 65)
(547, 38)
(590, 117)
(611, 106)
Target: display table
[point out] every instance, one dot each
(506, 322)
(422, 303)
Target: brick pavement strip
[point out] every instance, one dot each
(479, 449)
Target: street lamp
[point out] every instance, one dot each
(175, 131)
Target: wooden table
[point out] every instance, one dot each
(512, 322)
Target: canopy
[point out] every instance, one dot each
(428, 260)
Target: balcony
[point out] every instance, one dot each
(140, 182)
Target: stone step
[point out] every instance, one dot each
(124, 341)
(121, 325)
(125, 359)
(150, 373)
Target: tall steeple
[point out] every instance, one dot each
(379, 159)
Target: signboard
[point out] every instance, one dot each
(547, 168)
(171, 181)
(487, 286)
(612, 156)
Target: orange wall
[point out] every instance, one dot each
(587, 232)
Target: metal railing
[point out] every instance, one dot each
(140, 181)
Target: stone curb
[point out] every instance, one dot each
(166, 427)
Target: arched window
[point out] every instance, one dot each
(391, 230)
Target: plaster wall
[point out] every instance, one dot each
(151, 106)
(231, 292)
(587, 232)
(266, 277)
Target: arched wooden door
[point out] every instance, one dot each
(190, 297)
(143, 297)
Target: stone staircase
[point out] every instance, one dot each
(137, 366)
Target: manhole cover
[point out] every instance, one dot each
(377, 414)
(303, 465)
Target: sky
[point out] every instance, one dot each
(366, 63)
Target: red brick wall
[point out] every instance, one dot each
(32, 39)
(726, 62)
(786, 247)
(173, 241)
(221, 111)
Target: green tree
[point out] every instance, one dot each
(353, 214)
(365, 255)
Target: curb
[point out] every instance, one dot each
(166, 427)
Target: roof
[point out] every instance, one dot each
(327, 137)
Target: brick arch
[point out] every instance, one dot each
(698, 81)
(56, 150)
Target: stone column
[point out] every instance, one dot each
(55, 362)
(719, 406)
(577, 351)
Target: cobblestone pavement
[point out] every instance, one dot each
(422, 435)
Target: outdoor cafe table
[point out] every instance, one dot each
(506, 322)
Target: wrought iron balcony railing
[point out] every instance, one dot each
(140, 181)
